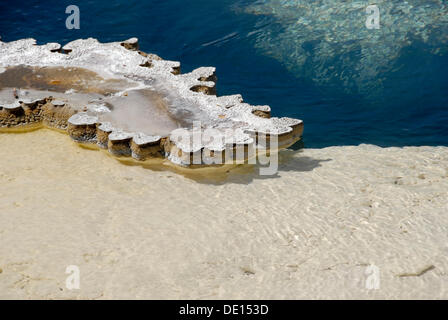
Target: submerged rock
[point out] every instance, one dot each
(328, 41)
(132, 103)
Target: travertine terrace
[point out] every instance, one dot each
(132, 103)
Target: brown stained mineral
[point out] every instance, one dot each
(82, 127)
(133, 104)
(120, 144)
(146, 147)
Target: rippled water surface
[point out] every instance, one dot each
(314, 60)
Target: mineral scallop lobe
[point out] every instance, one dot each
(132, 103)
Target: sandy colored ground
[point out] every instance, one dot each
(309, 232)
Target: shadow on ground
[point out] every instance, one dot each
(288, 161)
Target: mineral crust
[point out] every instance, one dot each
(132, 103)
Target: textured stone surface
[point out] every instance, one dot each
(132, 103)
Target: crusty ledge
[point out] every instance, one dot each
(238, 124)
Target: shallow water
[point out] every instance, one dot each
(308, 232)
(394, 83)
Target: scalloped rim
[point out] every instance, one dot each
(124, 60)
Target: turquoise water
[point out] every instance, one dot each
(313, 60)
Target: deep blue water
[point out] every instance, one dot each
(411, 107)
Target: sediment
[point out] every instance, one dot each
(74, 88)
